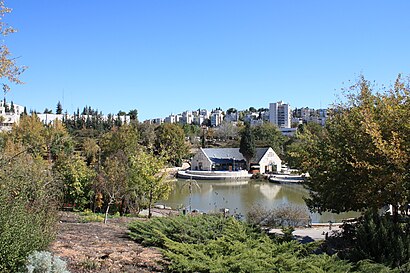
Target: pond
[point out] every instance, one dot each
(240, 196)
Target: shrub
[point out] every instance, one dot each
(380, 239)
(230, 246)
(183, 229)
(43, 261)
(27, 210)
(284, 216)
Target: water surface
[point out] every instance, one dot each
(240, 197)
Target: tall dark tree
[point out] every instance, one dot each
(59, 109)
(133, 114)
(247, 145)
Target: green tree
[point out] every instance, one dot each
(113, 179)
(77, 180)
(268, 135)
(116, 149)
(296, 149)
(149, 171)
(247, 144)
(170, 143)
(28, 201)
(30, 132)
(59, 108)
(147, 135)
(133, 115)
(124, 138)
(362, 160)
(230, 111)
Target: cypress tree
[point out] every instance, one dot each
(247, 145)
(59, 109)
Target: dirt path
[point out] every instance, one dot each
(96, 247)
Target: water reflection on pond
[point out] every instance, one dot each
(239, 197)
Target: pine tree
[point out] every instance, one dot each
(247, 145)
(59, 109)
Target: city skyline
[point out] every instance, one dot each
(167, 57)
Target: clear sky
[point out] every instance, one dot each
(168, 56)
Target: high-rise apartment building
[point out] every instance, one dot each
(280, 114)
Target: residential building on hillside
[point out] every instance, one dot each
(170, 119)
(199, 120)
(232, 117)
(9, 114)
(305, 115)
(216, 118)
(48, 119)
(187, 117)
(280, 114)
(158, 121)
(288, 131)
(205, 113)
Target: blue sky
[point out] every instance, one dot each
(167, 56)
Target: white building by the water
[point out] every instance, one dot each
(230, 159)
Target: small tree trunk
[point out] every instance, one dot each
(108, 209)
(106, 213)
(150, 204)
(395, 212)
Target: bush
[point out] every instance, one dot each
(284, 216)
(27, 211)
(183, 229)
(226, 245)
(379, 239)
(43, 261)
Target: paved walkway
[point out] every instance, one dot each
(306, 235)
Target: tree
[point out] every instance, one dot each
(361, 161)
(59, 109)
(247, 144)
(170, 143)
(230, 111)
(9, 70)
(77, 179)
(296, 153)
(28, 194)
(113, 179)
(227, 131)
(149, 171)
(133, 114)
(268, 135)
(147, 135)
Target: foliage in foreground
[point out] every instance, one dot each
(361, 159)
(44, 261)
(380, 239)
(27, 208)
(214, 244)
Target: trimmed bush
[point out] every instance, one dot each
(44, 261)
